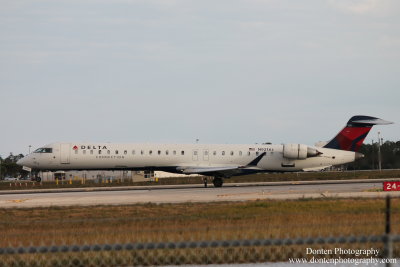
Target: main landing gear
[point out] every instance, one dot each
(218, 182)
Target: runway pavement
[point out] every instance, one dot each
(180, 194)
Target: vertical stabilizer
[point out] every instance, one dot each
(352, 136)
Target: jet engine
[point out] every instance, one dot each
(299, 151)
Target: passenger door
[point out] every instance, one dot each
(195, 155)
(205, 154)
(65, 151)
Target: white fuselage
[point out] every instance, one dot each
(175, 157)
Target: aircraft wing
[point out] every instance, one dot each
(225, 171)
(219, 171)
(191, 170)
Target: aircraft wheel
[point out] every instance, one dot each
(218, 182)
(38, 179)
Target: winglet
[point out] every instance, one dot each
(255, 161)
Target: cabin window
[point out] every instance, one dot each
(99, 152)
(195, 152)
(257, 153)
(240, 153)
(43, 150)
(125, 152)
(116, 152)
(159, 152)
(182, 152)
(84, 152)
(141, 152)
(108, 152)
(166, 152)
(174, 152)
(214, 153)
(248, 153)
(151, 152)
(91, 152)
(231, 153)
(223, 153)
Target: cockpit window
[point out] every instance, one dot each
(43, 150)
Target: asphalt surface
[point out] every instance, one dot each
(195, 193)
(187, 186)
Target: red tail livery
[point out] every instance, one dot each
(352, 136)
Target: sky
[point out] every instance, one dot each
(173, 71)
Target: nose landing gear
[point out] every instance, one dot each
(205, 182)
(35, 177)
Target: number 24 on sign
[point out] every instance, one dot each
(391, 186)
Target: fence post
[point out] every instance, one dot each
(388, 238)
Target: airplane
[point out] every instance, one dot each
(216, 160)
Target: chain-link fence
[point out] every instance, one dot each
(193, 252)
(145, 235)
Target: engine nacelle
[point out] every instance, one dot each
(299, 151)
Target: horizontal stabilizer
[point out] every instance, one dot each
(367, 120)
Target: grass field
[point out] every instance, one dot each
(204, 221)
(268, 177)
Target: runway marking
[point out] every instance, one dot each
(18, 200)
(375, 189)
(238, 194)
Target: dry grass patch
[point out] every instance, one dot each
(204, 221)
(185, 222)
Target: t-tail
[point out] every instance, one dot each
(352, 136)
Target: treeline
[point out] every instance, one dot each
(9, 167)
(390, 159)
